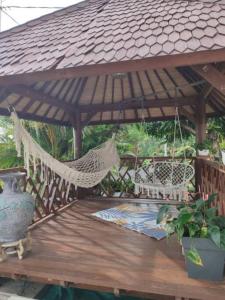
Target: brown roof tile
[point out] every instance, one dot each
(101, 31)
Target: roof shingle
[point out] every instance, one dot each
(95, 32)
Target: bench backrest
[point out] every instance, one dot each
(164, 173)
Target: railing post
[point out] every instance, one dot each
(198, 175)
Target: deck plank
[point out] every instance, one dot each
(77, 249)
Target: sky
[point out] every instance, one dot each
(22, 15)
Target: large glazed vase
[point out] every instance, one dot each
(16, 209)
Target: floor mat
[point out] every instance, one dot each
(137, 217)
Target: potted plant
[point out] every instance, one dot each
(222, 149)
(202, 234)
(203, 148)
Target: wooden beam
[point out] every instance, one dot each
(138, 103)
(37, 118)
(187, 114)
(189, 129)
(88, 119)
(35, 95)
(132, 103)
(156, 62)
(212, 76)
(200, 116)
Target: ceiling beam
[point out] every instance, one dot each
(212, 76)
(138, 103)
(35, 95)
(132, 103)
(156, 62)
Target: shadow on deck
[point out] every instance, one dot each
(74, 249)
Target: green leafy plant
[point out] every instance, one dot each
(206, 145)
(195, 220)
(222, 145)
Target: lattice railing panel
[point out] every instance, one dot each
(50, 197)
(211, 179)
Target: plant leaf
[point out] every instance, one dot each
(163, 214)
(194, 257)
(204, 232)
(211, 212)
(214, 233)
(180, 232)
(184, 218)
(211, 199)
(222, 239)
(200, 203)
(193, 229)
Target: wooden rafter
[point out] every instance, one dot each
(212, 76)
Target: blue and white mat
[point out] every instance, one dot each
(140, 218)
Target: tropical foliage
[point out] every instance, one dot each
(149, 139)
(195, 220)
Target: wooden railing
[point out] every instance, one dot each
(211, 179)
(118, 184)
(48, 198)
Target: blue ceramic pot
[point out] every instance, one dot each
(16, 209)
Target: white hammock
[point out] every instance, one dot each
(85, 172)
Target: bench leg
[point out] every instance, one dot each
(20, 250)
(3, 255)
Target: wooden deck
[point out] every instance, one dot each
(75, 249)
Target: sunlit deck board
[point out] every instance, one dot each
(74, 248)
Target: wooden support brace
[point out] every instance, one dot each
(189, 129)
(187, 114)
(212, 76)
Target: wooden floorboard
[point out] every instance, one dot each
(75, 249)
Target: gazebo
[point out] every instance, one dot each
(100, 62)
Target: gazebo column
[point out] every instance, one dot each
(78, 135)
(200, 119)
(77, 125)
(200, 125)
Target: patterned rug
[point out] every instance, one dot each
(137, 217)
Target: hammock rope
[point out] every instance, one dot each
(85, 172)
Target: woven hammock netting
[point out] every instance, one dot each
(85, 172)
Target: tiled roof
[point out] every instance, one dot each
(102, 31)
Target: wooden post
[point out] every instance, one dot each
(78, 135)
(200, 122)
(200, 119)
(76, 124)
